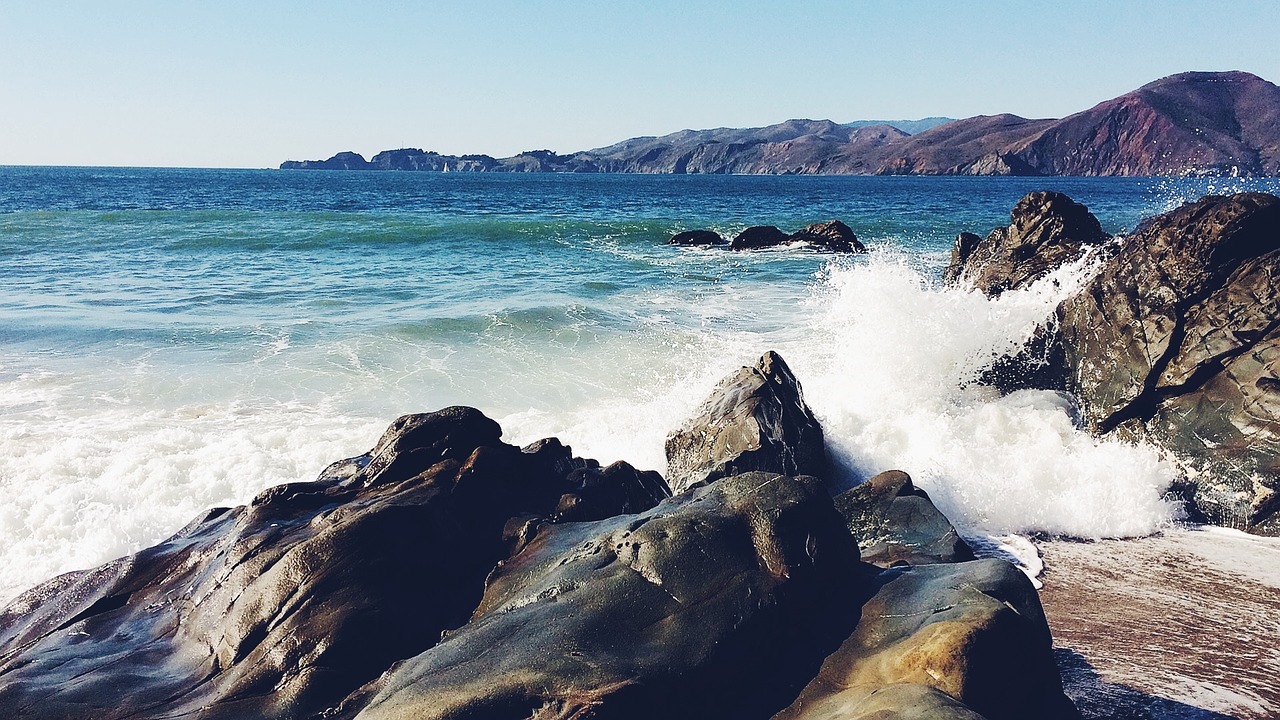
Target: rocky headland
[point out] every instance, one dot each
(448, 574)
(1196, 123)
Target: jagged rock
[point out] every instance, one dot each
(755, 419)
(832, 235)
(974, 631)
(1179, 337)
(696, 238)
(759, 236)
(281, 608)
(717, 603)
(895, 522)
(1046, 230)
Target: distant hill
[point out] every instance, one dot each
(910, 127)
(1196, 123)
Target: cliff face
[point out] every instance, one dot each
(1189, 124)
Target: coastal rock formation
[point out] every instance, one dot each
(342, 161)
(1198, 123)
(935, 636)
(1179, 338)
(896, 522)
(696, 238)
(446, 574)
(716, 603)
(759, 236)
(832, 235)
(755, 419)
(1046, 231)
(281, 608)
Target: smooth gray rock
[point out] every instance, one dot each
(895, 522)
(720, 602)
(755, 419)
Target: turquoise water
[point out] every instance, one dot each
(175, 339)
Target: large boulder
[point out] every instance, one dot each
(1046, 230)
(936, 636)
(1178, 339)
(755, 419)
(721, 602)
(281, 608)
(832, 235)
(895, 522)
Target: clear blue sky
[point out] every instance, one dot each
(249, 84)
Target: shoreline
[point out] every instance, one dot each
(1177, 625)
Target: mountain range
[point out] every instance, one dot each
(1195, 123)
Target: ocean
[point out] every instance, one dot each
(173, 340)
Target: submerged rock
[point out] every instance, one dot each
(759, 236)
(696, 238)
(832, 235)
(895, 522)
(1046, 231)
(1178, 338)
(755, 419)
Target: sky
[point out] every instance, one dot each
(251, 84)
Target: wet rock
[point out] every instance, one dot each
(833, 236)
(696, 238)
(281, 608)
(759, 236)
(720, 602)
(1178, 338)
(973, 632)
(755, 419)
(895, 522)
(1046, 231)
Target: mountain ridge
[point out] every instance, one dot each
(1193, 123)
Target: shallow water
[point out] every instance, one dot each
(172, 340)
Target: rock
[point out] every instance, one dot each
(759, 236)
(832, 235)
(895, 522)
(721, 602)
(696, 238)
(1178, 339)
(342, 161)
(755, 419)
(281, 608)
(973, 631)
(1046, 231)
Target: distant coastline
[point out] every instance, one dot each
(1190, 124)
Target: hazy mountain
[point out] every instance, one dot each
(1192, 123)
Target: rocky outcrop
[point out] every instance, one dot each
(446, 574)
(755, 419)
(832, 235)
(696, 238)
(342, 161)
(1046, 231)
(281, 608)
(758, 237)
(716, 603)
(1178, 338)
(936, 636)
(895, 522)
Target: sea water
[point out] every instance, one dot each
(173, 340)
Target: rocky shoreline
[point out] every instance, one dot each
(448, 574)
